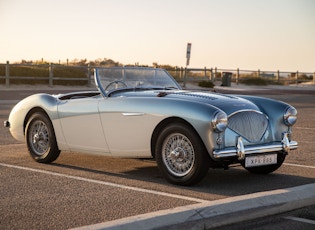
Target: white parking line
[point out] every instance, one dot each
(300, 219)
(307, 142)
(303, 166)
(304, 128)
(106, 183)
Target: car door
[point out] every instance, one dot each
(81, 125)
(127, 126)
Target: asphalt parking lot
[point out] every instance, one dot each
(81, 190)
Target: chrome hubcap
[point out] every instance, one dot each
(178, 154)
(39, 137)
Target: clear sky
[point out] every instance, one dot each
(248, 34)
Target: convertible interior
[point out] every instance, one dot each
(79, 95)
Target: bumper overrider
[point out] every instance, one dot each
(241, 151)
(6, 124)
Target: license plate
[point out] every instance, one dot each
(255, 161)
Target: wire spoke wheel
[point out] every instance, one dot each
(178, 154)
(181, 155)
(39, 137)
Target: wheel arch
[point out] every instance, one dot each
(31, 112)
(51, 150)
(164, 124)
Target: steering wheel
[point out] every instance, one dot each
(115, 85)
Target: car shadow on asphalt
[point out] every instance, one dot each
(232, 182)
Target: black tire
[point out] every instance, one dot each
(181, 155)
(40, 138)
(267, 168)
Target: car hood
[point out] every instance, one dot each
(228, 103)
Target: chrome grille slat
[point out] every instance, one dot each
(251, 125)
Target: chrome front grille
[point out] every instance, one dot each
(251, 125)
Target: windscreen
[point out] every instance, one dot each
(109, 79)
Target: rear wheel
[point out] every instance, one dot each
(40, 139)
(181, 155)
(267, 168)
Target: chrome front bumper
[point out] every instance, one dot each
(241, 151)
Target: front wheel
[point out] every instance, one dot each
(267, 168)
(40, 139)
(181, 155)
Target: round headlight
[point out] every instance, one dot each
(289, 116)
(219, 121)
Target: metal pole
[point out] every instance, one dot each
(7, 74)
(296, 77)
(237, 76)
(278, 76)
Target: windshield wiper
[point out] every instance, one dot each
(154, 88)
(170, 87)
(145, 88)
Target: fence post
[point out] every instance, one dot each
(211, 74)
(175, 74)
(51, 75)
(89, 74)
(205, 69)
(237, 76)
(185, 76)
(258, 73)
(215, 73)
(7, 74)
(278, 76)
(296, 77)
(181, 73)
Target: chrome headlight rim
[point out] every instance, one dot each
(290, 116)
(219, 122)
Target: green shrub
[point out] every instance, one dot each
(68, 73)
(206, 84)
(42, 73)
(259, 81)
(254, 81)
(26, 71)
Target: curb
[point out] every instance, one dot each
(218, 213)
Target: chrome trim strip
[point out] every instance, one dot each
(132, 114)
(274, 147)
(247, 110)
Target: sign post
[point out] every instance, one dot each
(188, 53)
(187, 61)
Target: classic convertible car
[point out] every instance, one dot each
(144, 113)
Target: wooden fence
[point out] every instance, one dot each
(56, 74)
